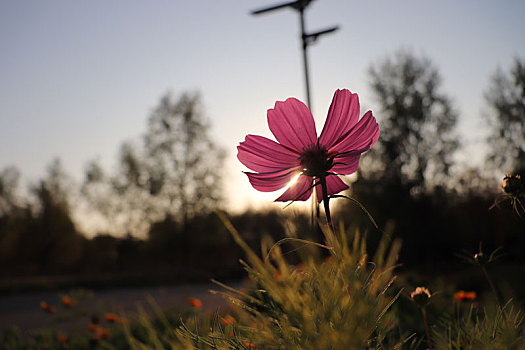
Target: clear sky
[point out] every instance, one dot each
(77, 78)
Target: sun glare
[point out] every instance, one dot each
(247, 198)
(293, 180)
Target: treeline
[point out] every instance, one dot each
(411, 181)
(438, 228)
(46, 242)
(158, 207)
(167, 187)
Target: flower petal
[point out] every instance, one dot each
(361, 137)
(264, 155)
(342, 116)
(269, 182)
(292, 124)
(334, 185)
(299, 191)
(347, 164)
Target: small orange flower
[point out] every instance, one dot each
(464, 296)
(259, 324)
(103, 333)
(112, 317)
(47, 307)
(228, 320)
(470, 295)
(300, 267)
(67, 301)
(249, 345)
(62, 338)
(93, 327)
(196, 303)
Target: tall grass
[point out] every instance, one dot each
(339, 302)
(343, 296)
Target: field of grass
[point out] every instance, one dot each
(339, 296)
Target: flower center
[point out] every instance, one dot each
(315, 162)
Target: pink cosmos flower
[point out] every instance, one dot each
(298, 150)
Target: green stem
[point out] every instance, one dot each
(326, 202)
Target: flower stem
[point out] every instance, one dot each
(326, 202)
(315, 211)
(427, 332)
(494, 290)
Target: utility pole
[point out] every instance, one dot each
(307, 39)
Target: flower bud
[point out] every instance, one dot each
(421, 296)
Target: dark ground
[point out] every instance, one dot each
(23, 310)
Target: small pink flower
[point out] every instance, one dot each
(298, 150)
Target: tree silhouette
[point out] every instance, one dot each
(51, 241)
(175, 170)
(417, 142)
(121, 200)
(184, 165)
(506, 97)
(9, 197)
(13, 216)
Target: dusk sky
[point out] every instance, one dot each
(80, 77)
